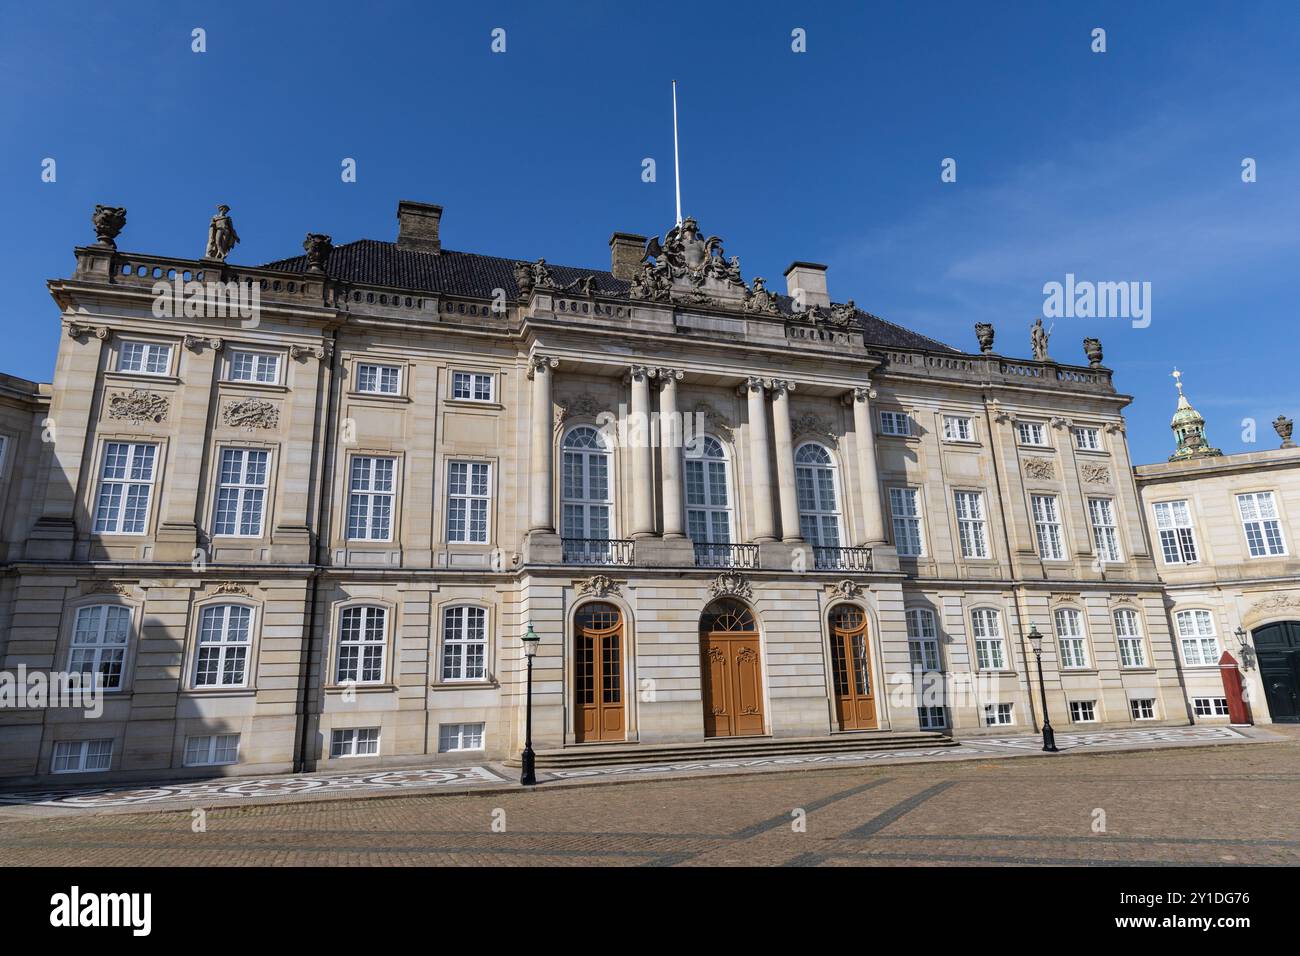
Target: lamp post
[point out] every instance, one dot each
(1241, 635)
(1049, 737)
(528, 776)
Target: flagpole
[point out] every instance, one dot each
(677, 170)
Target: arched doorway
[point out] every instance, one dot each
(598, 673)
(1278, 649)
(855, 701)
(731, 671)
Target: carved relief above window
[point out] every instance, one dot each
(250, 413)
(137, 406)
(1041, 469)
(599, 585)
(1094, 474)
(731, 584)
(583, 405)
(812, 425)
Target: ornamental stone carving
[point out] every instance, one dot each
(1041, 469)
(533, 275)
(1283, 425)
(230, 587)
(320, 352)
(1094, 474)
(1275, 605)
(731, 584)
(714, 420)
(196, 342)
(816, 426)
(684, 254)
(577, 406)
(758, 299)
(105, 587)
(984, 335)
(1119, 426)
(1092, 349)
(849, 590)
(251, 413)
(844, 315)
(599, 585)
(318, 247)
(137, 406)
(540, 363)
(222, 237)
(108, 222)
(76, 330)
(1038, 337)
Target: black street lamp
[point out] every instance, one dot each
(1049, 738)
(529, 775)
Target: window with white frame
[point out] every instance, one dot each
(958, 428)
(125, 486)
(1087, 438)
(1210, 706)
(996, 715)
(1105, 533)
(895, 423)
(468, 495)
(225, 636)
(370, 499)
(1177, 538)
(211, 750)
(923, 639)
(905, 506)
(1128, 632)
(146, 358)
(819, 510)
(1142, 708)
(379, 379)
(100, 634)
(1047, 527)
(1083, 711)
(972, 532)
(263, 367)
(453, 737)
(464, 643)
(932, 717)
(354, 742)
(1196, 634)
(241, 492)
(472, 386)
(708, 492)
(586, 491)
(1259, 520)
(1031, 433)
(986, 625)
(363, 632)
(81, 756)
(1069, 635)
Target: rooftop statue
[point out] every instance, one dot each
(1038, 337)
(984, 334)
(684, 254)
(221, 235)
(108, 222)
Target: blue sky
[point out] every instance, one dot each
(1117, 166)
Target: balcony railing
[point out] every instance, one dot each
(718, 555)
(596, 550)
(842, 559)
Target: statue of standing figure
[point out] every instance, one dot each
(221, 235)
(1038, 339)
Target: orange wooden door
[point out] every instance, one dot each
(598, 667)
(733, 685)
(855, 703)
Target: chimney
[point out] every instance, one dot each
(811, 278)
(626, 250)
(417, 226)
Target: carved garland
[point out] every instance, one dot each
(731, 584)
(1040, 469)
(847, 589)
(1094, 474)
(251, 413)
(599, 585)
(138, 406)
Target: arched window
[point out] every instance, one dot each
(708, 493)
(819, 509)
(99, 640)
(224, 639)
(464, 643)
(586, 497)
(727, 614)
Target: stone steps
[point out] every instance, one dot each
(725, 748)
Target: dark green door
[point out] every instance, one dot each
(1278, 647)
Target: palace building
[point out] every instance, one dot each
(302, 515)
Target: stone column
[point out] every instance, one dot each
(541, 451)
(760, 460)
(638, 430)
(783, 439)
(873, 519)
(670, 451)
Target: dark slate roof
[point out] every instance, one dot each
(469, 274)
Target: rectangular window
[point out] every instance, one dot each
(1105, 535)
(255, 367)
(370, 499)
(1177, 539)
(1196, 635)
(362, 635)
(1031, 433)
(354, 742)
(225, 636)
(971, 530)
(922, 640)
(1260, 522)
(1069, 634)
(1087, 439)
(467, 501)
(241, 492)
(1047, 526)
(1210, 706)
(932, 718)
(1142, 708)
(989, 652)
(464, 643)
(79, 756)
(452, 737)
(1083, 711)
(471, 386)
(905, 505)
(99, 640)
(1132, 653)
(895, 423)
(379, 379)
(211, 750)
(958, 428)
(125, 486)
(147, 358)
(996, 715)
